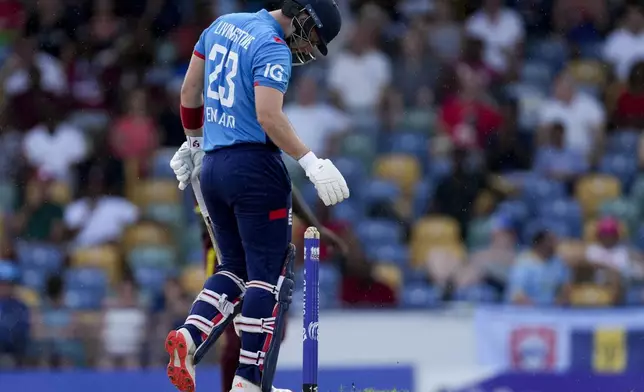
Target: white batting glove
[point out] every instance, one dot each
(329, 182)
(181, 164)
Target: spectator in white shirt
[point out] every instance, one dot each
(54, 147)
(502, 31)
(625, 46)
(609, 251)
(359, 76)
(582, 115)
(98, 218)
(52, 75)
(318, 124)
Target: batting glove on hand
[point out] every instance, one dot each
(181, 164)
(329, 182)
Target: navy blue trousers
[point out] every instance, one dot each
(247, 190)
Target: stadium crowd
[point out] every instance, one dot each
(492, 148)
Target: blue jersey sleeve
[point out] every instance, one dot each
(200, 47)
(272, 65)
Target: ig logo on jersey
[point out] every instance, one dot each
(274, 71)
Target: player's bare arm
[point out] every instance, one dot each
(192, 98)
(268, 104)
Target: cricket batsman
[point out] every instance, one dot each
(231, 345)
(231, 111)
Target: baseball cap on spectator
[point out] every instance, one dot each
(608, 227)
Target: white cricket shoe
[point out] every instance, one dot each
(240, 384)
(181, 369)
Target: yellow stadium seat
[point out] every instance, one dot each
(436, 229)
(572, 252)
(593, 190)
(590, 231)
(29, 297)
(591, 295)
(146, 233)
(388, 274)
(192, 279)
(404, 170)
(60, 193)
(588, 72)
(157, 191)
(106, 257)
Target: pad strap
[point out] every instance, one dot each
(202, 323)
(258, 284)
(250, 358)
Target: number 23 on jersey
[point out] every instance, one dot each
(227, 61)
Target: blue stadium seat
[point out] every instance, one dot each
(566, 212)
(536, 73)
(410, 143)
(635, 295)
(623, 142)
(623, 167)
(391, 253)
(530, 99)
(161, 163)
(423, 194)
(352, 169)
(150, 279)
(438, 169)
(420, 296)
(86, 278)
(34, 278)
(349, 210)
(515, 210)
(329, 277)
(638, 238)
(480, 293)
(37, 255)
(152, 256)
(375, 191)
(379, 232)
(550, 51)
(541, 189)
(84, 299)
(412, 276)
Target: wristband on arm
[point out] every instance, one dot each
(192, 118)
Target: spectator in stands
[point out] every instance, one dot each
(359, 76)
(98, 218)
(14, 319)
(11, 159)
(124, 328)
(493, 263)
(580, 21)
(444, 35)
(40, 218)
(539, 277)
(509, 149)
(629, 110)
(625, 45)
(319, 125)
(610, 251)
(467, 118)
(556, 161)
(27, 58)
(582, 116)
(51, 26)
(501, 30)
(54, 146)
(134, 134)
(457, 192)
(55, 329)
(168, 312)
(359, 287)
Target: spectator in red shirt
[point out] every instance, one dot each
(467, 118)
(629, 111)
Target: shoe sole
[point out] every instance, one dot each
(177, 349)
